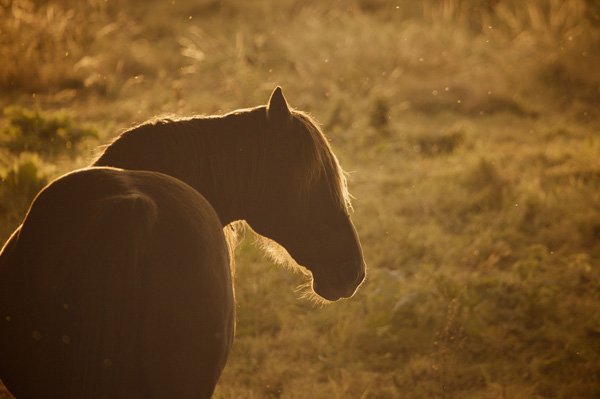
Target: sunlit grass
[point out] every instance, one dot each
(470, 131)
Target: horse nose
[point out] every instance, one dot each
(360, 276)
(355, 278)
(354, 281)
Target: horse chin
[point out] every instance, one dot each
(330, 292)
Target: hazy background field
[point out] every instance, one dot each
(472, 136)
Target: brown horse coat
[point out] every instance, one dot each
(117, 285)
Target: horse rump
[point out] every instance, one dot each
(70, 295)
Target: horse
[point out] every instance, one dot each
(118, 282)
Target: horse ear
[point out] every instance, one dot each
(278, 110)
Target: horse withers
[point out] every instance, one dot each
(117, 284)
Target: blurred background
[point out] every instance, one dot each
(471, 134)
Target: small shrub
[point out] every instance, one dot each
(340, 117)
(439, 144)
(380, 114)
(489, 188)
(18, 186)
(46, 134)
(24, 179)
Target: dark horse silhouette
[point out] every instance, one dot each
(118, 282)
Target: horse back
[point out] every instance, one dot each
(117, 284)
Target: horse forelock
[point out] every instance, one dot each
(323, 162)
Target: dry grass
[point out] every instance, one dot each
(469, 127)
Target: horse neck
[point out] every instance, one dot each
(219, 157)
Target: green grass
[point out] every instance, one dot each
(471, 134)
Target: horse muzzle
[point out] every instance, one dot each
(340, 285)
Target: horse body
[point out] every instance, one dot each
(118, 283)
(270, 166)
(135, 297)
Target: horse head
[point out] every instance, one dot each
(304, 202)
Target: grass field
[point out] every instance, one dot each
(471, 133)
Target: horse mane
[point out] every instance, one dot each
(315, 151)
(323, 162)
